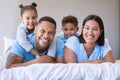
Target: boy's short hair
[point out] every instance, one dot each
(69, 19)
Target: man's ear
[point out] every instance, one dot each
(35, 29)
(62, 28)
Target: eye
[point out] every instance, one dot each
(71, 29)
(27, 18)
(65, 29)
(34, 17)
(51, 33)
(42, 31)
(87, 28)
(96, 29)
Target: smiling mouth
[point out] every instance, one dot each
(90, 37)
(43, 41)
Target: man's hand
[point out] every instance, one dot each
(44, 59)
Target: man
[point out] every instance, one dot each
(41, 39)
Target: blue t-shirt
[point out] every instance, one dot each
(61, 40)
(22, 33)
(79, 49)
(59, 48)
(20, 51)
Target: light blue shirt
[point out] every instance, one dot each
(20, 51)
(59, 48)
(22, 34)
(61, 40)
(79, 49)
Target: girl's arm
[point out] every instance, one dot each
(108, 58)
(22, 39)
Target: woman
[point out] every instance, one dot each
(90, 46)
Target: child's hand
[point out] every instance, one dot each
(43, 59)
(37, 56)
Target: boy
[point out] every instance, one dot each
(69, 28)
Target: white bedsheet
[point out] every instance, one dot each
(104, 71)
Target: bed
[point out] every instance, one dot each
(59, 71)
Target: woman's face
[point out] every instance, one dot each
(91, 31)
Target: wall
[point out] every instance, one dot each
(109, 10)
(9, 19)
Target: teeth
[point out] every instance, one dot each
(90, 37)
(44, 40)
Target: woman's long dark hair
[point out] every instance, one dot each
(100, 40)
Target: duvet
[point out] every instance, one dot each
(47, 71)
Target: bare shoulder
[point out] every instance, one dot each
(13, 59)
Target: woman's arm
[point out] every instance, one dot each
(108, 58)
(59, 60)
(69, 56)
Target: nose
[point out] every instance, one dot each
(90, 31)
(69, 32)
(30, 20)
(46, 35)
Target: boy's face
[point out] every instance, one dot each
(45, 32)
(69, 30)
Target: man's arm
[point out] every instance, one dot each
(14, 60)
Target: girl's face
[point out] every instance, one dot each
(29, 19)
(69, 30)
(91, 31)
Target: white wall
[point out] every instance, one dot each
(9, 19)
(109, 10)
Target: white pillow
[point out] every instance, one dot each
(2, 63)
(8, 42)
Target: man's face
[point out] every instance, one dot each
(45, 32)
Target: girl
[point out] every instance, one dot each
(29, 21)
